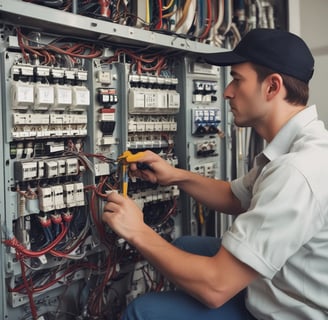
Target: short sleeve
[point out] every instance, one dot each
(282, 216)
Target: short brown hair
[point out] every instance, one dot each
(297, 90)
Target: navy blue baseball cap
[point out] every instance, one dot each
(279, 50)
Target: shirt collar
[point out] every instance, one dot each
(282, 142)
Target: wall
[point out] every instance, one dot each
(309, 19)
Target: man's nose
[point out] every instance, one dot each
(227, 94)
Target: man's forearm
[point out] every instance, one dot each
(215, 194)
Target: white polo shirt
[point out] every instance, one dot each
(284, 232)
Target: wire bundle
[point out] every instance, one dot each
(208, 21)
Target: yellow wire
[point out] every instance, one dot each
(147, 12)
(124, 180)
(184, 15)
(168, 15)
(169, 5)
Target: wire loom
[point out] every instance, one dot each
(209, 21)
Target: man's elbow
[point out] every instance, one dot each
(214, 299)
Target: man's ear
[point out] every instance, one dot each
(272, 87)
(274, 84)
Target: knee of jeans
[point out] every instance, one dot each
(131, 311)
(142, 308)
(205, 246)
(181, 242)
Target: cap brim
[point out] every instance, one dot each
(224, 58)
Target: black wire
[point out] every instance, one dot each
(50, 3)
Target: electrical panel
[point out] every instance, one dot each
(65, 128)
(203, 146)
(82, 82)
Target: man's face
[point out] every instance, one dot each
(245, 96)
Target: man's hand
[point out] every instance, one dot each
(124, 216)
(152, 168)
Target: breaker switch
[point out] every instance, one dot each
(107, 121)
(212, 129)
(107, 127)
(200, 130)
(107, 97)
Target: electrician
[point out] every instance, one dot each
(272, 262)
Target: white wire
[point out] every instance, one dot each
(184, 28)
(215, 36)
(228, 15)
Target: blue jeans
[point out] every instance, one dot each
(177, 305)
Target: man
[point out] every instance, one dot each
(277, 247)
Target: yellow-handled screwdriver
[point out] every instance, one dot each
(125, 158)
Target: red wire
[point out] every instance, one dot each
(54, 281)
(160, 15)
(25, 252)
(209, 21)
(94, 214)
(27, 287)
(75, 50)
(21, 44)
(104, 8)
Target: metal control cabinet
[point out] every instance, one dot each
(65, 120)
(205, 142)
(63, 129)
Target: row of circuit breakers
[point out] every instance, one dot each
(64, 129)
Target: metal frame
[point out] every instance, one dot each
(52, 20)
